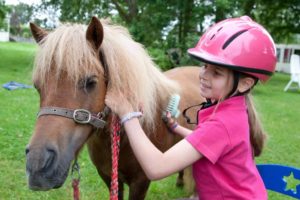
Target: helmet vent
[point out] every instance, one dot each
(215, 34)
(232, 38)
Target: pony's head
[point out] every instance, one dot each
(68, 74)
(74, 67)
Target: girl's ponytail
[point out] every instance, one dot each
(257, 134)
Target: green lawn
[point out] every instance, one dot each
(279, 112)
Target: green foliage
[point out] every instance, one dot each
(281, 18)
(159, 56)
(76, 10)
(20, 16)
(3, 25)
(3, 9)
(167, 25)
(26, 33)
(3, 12)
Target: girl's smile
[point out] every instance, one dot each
(215, 82)
(204, 85)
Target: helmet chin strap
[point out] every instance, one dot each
(236, 78)
(208, 103)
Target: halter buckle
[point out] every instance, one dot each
(82, 116)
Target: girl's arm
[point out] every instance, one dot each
(156, 164)
(176, 128)
(180, 130)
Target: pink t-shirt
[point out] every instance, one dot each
(227, 170)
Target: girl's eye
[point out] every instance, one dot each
(217, 73)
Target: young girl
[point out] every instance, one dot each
(237, 53)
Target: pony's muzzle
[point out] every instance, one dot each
(40, 159)
(40, 165)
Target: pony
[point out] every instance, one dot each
(74, 67)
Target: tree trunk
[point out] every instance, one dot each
(127, 15)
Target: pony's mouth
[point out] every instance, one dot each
(43, 181)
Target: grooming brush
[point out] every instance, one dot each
(172, 107)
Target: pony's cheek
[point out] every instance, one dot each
(78, 137)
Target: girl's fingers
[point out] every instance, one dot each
(168, 115)
(118, 103)
(169, 118)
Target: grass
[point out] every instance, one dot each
(279, 112)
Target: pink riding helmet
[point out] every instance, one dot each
(239, 44)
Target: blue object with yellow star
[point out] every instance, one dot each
(280, 178)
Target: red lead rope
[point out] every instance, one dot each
(75, 173)
(115, 148)
(75, 185)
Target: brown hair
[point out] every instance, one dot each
(257, 134)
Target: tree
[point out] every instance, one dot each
(167, 24)
(77, 10)
(20, 15)
(3, 12)
(281, 18)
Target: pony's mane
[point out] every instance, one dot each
(130, 68)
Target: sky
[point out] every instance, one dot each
(15, 2)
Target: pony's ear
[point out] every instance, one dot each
(37, 32)
(94, 33)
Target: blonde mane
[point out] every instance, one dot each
(131, 70)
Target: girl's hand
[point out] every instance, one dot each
(170, 121)
(118, 103)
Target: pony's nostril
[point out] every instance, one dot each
(49, 159)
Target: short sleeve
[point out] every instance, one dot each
(211, 139)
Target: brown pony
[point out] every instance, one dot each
(74, 67)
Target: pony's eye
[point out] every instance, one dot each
(88, 83)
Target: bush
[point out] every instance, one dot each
(160, 57)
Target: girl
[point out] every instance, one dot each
(237, 53)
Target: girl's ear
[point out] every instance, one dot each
(245, 84)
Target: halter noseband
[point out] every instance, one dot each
(80, 116)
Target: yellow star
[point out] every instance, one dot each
(291, 183)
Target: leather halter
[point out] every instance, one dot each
(81, 116)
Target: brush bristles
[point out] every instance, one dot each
(173, 106)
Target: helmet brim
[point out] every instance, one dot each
(207, 58)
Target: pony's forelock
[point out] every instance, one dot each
(66, 50)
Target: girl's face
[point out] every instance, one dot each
(215, 82)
